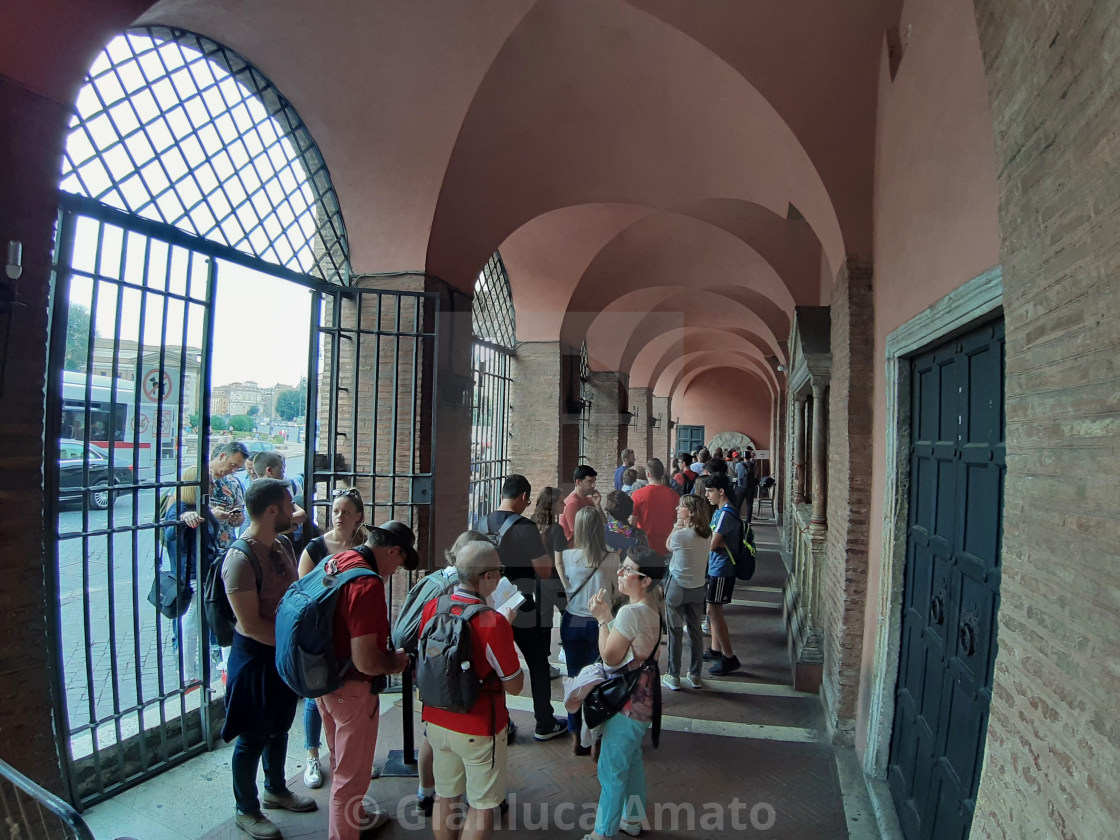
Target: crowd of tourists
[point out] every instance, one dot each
(658, 551)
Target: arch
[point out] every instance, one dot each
(567, 98)
(174, 127)
(680, 371)
(629, 323)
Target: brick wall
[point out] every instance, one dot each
(661, 438)
(844, 578)
(537, 397)
(640, 435)
(32, 149)
(1053, 740)
(606, 437)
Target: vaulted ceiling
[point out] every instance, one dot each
(665, 178)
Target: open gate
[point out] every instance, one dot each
(131, 328)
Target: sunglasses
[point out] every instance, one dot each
(498, 569)
(347, 491)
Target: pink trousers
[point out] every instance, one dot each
(350, 718)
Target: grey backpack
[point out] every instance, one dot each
(445, 673)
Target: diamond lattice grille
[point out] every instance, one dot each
(493, 305)
(173, 127)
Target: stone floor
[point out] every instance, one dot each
(745, 756)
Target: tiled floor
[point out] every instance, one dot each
(746, 756)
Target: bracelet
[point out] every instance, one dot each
(603, 623)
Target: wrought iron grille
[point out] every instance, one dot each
(491, 355)
(585, 403)
(173, 127)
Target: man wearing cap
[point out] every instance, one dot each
(351, 712)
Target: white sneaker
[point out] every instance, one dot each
(553, 671)
(561, 658)
(670, 682)
(313, 774)
(704, 628)
(689, 682)
(630, 828)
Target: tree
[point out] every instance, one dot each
(291, 404)
(77, 338)
(254, 410)
(242, 423)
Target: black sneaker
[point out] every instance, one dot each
(511, 733)
(712, 655)
(425, 804)
(559, 727)
(726, 666)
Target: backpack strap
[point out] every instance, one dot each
(246, 549)
(509, 523)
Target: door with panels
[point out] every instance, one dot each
(951, 587)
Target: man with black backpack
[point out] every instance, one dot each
(526, 562)
(260, 707)
(467, 665)
(727, 534)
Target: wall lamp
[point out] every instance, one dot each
(628, 418)
(655, 422)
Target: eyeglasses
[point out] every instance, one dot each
(498, 569)
(625, 571)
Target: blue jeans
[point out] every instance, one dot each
(267, 747)
(579, 636)
(312, 725)
(622, 775)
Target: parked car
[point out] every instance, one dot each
(73, 456)
(255, 446)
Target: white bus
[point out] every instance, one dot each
(109, 410)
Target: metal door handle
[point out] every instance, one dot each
(967, 638)
(937, 610)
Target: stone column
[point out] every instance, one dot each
(661, 437)
(535, 412)
(820, 455)
(606, 435)
(799, 448)
(641, 433)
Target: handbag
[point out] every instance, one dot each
(609, 697)
(170, 596)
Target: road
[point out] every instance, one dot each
(119, 662)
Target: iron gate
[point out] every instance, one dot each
(130, 329)
(370, 398)
(951, 588)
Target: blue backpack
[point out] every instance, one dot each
(305, 631)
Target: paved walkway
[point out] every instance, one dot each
(746, 756)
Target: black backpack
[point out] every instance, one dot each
(445, 674)
(744, 556)
(215, 601)
(407, 626)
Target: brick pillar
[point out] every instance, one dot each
(661, 437)
(535, 414)
(607, 437)
(34, 130)
(799, 448)
(820, 425)
(843, 590)
(641, 433)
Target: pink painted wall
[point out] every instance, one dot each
(936, 209)
(726, 401)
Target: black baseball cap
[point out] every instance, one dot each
(401, 536)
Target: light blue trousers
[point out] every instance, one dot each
(622, 775)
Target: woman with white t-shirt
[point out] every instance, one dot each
(684, 589)
(626, 642)
(589, 567)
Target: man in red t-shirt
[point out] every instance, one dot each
(655, 507)
(583, 495)
(361, 633)
(470, 747)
